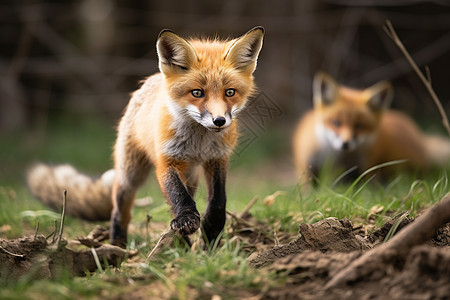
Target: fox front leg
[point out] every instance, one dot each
(187, 217)
(214, 219)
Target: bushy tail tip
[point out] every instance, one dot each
(438, 149)
(87, 198)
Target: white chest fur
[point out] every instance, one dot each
(193, 142)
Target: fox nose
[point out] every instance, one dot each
(346, 145)
(219, 121)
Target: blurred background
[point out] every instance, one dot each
(67, 67)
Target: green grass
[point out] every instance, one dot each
(179, 273)
(222, 270)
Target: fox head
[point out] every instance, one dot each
(348, 118)
(209, 80)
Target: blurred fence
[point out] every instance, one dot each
(89, 55)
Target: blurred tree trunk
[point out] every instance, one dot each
(97, 20)
(12, 95)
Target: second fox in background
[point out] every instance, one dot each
(351, 129)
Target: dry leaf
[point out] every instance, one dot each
(270, 200)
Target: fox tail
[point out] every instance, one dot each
(87, 198)
(438, 149)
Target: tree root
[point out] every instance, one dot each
(398, 248)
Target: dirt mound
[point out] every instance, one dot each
(20, 256)
(329, 261)
(332, 234)
(326, 235)
(442, 237)
(39, 257)
(424, 276)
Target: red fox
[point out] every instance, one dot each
(355, 128)
(179, 120)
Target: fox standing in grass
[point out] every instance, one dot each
(354, 128)
(180, 120)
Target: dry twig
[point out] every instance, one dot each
(249, 205)
(426, 80)
(36, 230)
(52, 234)
(63, 216)
(239, 219)
(10, 253)
(89, 242)
(164, 240)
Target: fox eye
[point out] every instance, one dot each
(197, 93)
(230, 92)
(336, 123)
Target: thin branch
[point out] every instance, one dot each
(36, 230)
(277, 242)
(97, 260)
(249, 205)
(63, 216)
(427, 71)
(10, 253)
(239, 219)
(249, 225)
(390, 31)
(89, 242)
(164, 240)
(53, 233)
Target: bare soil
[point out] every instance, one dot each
(325, 248)
(41, 257)
(310, 261)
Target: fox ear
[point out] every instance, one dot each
(175, 53)
(245, 50)
(380, 95)
(325, 89)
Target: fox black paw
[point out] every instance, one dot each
(186, 223)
